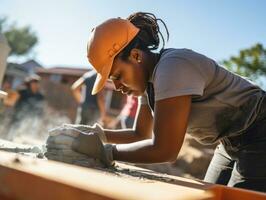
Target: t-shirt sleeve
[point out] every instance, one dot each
(177, 77)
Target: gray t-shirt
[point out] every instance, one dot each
(223, 103)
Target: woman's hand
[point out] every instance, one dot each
(89, 143)
(67, 129)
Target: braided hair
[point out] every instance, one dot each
(149, 35)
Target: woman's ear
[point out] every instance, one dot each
(135, 56)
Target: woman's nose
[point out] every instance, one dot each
(118, 85)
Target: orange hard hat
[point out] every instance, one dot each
(106, 41)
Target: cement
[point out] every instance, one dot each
(68, 156)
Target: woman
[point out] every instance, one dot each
(181, 92)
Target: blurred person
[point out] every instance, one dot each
(91, 107)
(29, 99)
(28, 103)
(126, 118)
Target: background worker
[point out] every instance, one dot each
(182, 92)
(28, 98)
(28, 104)
(126, 118)
(91, 107)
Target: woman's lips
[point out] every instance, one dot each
(129, 92)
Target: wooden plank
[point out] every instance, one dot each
(23, 177)
(228, 193)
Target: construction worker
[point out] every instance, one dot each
(28, 104)
(91, 107)
(29, 98)
(126, 117)
(181, 92)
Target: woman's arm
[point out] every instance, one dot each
(141, 130)
(170, 124)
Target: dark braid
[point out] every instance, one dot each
(149, 35)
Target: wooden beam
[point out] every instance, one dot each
(22, 177)
(228, 193)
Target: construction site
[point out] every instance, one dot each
(106, 132)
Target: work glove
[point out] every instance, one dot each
(67, 155)
(66, 137)
(59, 148)
(91, 145)
(67, 130)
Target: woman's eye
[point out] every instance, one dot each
(115, 77)
(118, 77)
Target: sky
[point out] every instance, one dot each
(216, 28)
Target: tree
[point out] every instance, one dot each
(250, 62)
(20, 39)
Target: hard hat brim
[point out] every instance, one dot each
(102, 77)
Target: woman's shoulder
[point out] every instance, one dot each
(181, 53)
(175, 60)
(172, 52)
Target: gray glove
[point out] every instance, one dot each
(67, 129)
(63, 130)
(91, 145)
(62, 140)
(72, 157)
(66, 137)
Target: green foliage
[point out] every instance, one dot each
(20, 39)
(250, 62)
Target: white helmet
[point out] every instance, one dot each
(4, 51)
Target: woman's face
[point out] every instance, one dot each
(129, 76)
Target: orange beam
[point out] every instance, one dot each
(22, 177)
(227, 193)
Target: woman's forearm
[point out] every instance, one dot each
(122, 136)
(144, 151)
